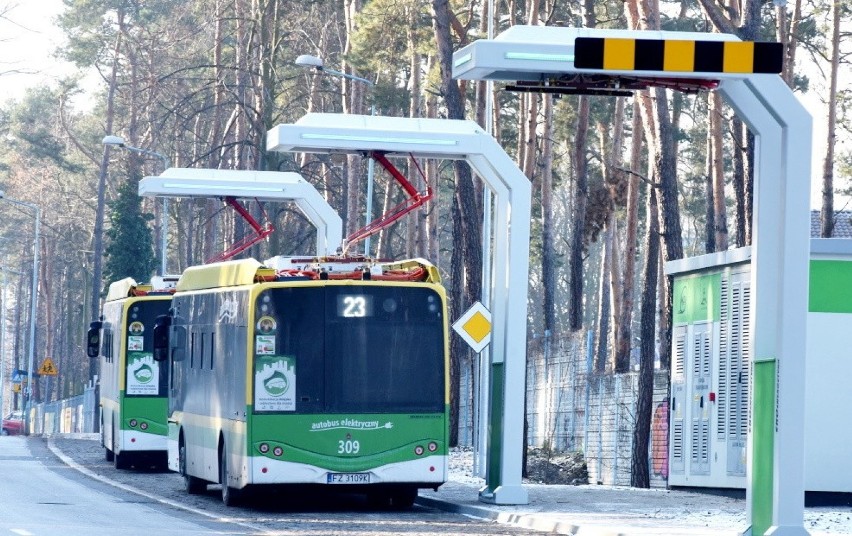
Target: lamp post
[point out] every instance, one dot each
(313, 62)
(33, 307)
(118, 141)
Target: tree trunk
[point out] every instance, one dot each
(351, 105)
(97, 235)
(720, 218)
(639, 473)
(467, 214)
(709, 208)
(603, 305)
(548, 253)
(431, 171)
(631, 237)
(737, 137)
(581, 192)
(827, 212)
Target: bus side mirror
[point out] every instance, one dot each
(161, 337)
(93, 339)
(178, 343)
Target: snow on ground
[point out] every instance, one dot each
(722, 512)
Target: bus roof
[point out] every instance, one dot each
(223, 274)
(121, 289)
(128, 288)
(250, 271)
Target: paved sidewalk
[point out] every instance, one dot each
(619, 511)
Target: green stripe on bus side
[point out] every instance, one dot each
(203, 431)
(348, 442)
(151, 410)
(830, 285)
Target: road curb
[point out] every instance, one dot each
(464, 509)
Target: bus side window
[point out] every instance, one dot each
(161, 337)
(93, 337)
(177, 342)
(106, 342)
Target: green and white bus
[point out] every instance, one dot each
(133, 394)
(315, 375)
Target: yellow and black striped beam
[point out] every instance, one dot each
(619, 54)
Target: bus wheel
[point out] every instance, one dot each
(108, 455)
(403, 498)
(230, 496)
(122, 460)
(191, 484)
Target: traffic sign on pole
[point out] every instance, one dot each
(474, 326)
(48, 368)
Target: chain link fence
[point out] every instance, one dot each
(572, 409)
(77, 414)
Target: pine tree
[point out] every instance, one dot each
(129, 251)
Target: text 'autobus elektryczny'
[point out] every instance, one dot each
(309, 372)
(133, 395)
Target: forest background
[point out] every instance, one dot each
(620, 185)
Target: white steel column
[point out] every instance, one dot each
(780, 255)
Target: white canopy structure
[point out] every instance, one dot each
(563, 60)
(464, 140)
(261, 185)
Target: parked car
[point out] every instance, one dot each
(13, 423)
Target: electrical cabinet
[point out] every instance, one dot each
(711, 369)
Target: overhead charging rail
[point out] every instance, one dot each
(561, 60)
(414, 200)
(565, 61)
(231, 185)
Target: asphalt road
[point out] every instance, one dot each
(40, 496)
(146, 502)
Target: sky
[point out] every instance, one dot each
(27, 41)
(29, 38)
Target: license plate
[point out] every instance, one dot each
(348, 478)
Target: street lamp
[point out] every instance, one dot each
(118, 141)
(33, 306)
(308, 61)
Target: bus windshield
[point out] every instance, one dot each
(353, 348)
(145, 377)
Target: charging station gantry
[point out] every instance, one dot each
(229, 185)
(615, 62)
(459, 140)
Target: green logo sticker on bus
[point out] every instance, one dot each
(142, 373)
(277, 384)
(274, 383)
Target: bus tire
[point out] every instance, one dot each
(122, 460)
(191, 484)
(108, 455)
(392, 498)
(403, 498)
(230, 496)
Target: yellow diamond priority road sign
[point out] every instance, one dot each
(474, 326)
